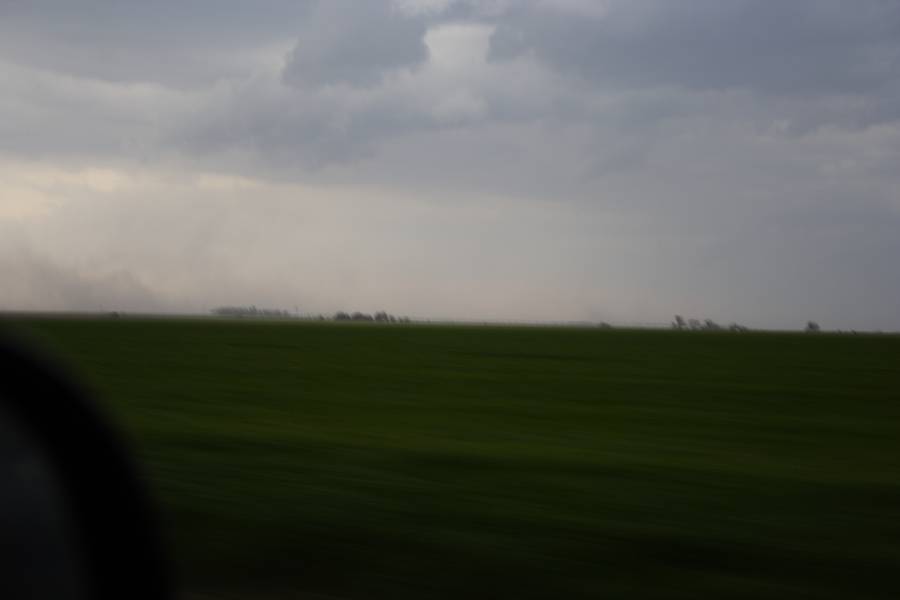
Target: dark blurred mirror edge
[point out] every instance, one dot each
(116, 515)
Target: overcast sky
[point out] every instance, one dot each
(617, 160)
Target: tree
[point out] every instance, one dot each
(695, 324)
(679, 322)
(711, 325)
(812, 327)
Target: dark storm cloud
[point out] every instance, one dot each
(791, 46)
(187, 43)
(343, 41)
(252, 76)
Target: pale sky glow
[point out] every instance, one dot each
(624, 160)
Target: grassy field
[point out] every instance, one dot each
(299, 460)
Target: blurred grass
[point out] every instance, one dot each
(302, 460)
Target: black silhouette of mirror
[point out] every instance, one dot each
(41, 553)
(76, 519)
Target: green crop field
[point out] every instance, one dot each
(302, 460)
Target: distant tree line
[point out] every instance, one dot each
(682, 324)
(706, 325)
(251, 311)
(379, 317)
(265, 313)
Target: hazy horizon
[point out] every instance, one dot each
(517, 160)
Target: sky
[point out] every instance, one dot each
(523, 160)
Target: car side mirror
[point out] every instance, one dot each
(76, 520)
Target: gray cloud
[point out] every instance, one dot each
(343, 41)
(180, 44)
(796, 46)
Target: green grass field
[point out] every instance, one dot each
(300, 460)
